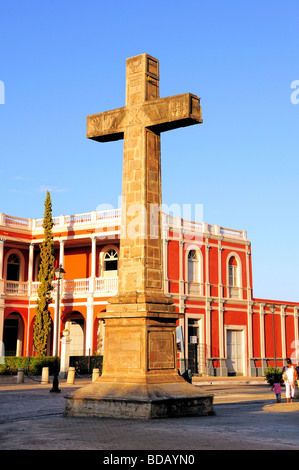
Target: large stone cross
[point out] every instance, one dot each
(140, 374)
(140, 123)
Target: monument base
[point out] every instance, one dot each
(139, 400)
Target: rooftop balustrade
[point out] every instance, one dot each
(113, 217)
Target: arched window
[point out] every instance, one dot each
(193, 266)
(233, 272)
(110, 263)
(234, 277)
(194, 272)
(13, 267)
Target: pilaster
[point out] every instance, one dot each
(283, 330)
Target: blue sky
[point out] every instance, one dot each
(62, 60)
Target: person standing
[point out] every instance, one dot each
(277, 390)
(290, 374)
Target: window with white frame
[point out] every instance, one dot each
(233, 272)
(193, 266)
(13, 267)
(110, 263)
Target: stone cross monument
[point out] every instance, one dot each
(140, 376)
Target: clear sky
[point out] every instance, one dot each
(61, 60)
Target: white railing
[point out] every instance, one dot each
(106, 284)
(34, 288)
(94, 217)
(75, 286)
(229, 232)
(101, 218)
(14, 221)
(193, 227)
(69, 286)
(16, 288)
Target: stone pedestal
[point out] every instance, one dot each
(139, 400)
(140, 377)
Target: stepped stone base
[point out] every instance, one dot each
(141, 401)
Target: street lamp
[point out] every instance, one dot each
(272, 309)
(59, 273)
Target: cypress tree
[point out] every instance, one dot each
(42, 325)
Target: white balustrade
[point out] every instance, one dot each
(16, 288)
(106, 284)
(69, 286)
(16, 221)
(113, 215)
(75, 286)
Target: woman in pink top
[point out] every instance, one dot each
(291, 374)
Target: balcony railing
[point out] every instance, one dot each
(109, 286)
(16, 288)
(68, 287)
(112, 218)
(95, 217)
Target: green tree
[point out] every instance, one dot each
(42, 325)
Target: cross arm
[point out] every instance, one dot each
(173, 112)
(107, 126)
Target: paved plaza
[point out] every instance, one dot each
(247, 417)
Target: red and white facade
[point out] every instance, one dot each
(207, 271)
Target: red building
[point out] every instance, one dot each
(207, 271)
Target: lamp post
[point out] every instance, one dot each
(59, 273)
(272, 309)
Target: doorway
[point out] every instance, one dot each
(13, 333)
(195, 351)
(76, 326)
(235, 352)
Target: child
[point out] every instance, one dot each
(277, 390)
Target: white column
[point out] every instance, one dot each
(249, 293)
(93, 256)
(181, 268)
(93, 264)
(89, 326)
(296, 343)
(61, 252)
(223, 367)
(249, 322)
(220, 284)
(2, 282)
(208, 287)
(2, 240)
(2, 306)
(30, 266)
(251, 364)
(283, 331)
(165, 266)
(165, 240)
(208, 327)
(181, 271)
(262, 330)
(221, 329)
